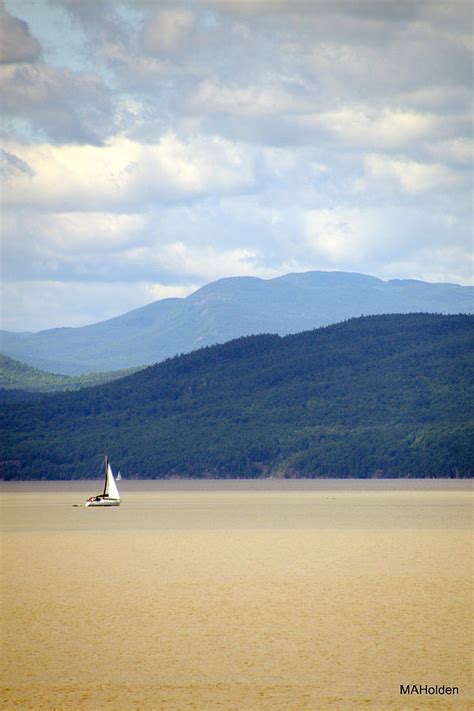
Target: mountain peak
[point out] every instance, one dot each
(226, 309)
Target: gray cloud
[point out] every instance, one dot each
(17, 44)
(55, 102)
(11, 165)
(59, 104)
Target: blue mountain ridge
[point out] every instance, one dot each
(225, 309)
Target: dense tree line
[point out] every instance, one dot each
(18, 379)
(375, 396)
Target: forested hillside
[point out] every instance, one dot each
(16, 376)
(373, 396)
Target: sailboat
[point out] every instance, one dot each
(118, 477)
(110, 496)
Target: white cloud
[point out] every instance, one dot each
(209, 263)
(198, 262)
(391, 242)
(247, 100)
(73, 231)
(442, 98)
(362, 127)
(349, 238)
(410, 177)
(333, 60)
(66, 246)
(125, 173)
(455, 151)
(449, 264)
(167, 30)
(38, 305)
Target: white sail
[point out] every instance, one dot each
(110, 486)
(110, 495)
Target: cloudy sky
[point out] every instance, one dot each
(150, 147)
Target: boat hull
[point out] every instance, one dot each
(103, 502)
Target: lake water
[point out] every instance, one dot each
(278, 595)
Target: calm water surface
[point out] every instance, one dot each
(237, 596)
(234, 504)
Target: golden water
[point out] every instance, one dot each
(235, 600)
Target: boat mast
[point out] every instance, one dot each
(106, 469)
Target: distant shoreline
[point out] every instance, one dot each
(229, 485)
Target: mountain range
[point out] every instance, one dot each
(376, 396)
(227, 309)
